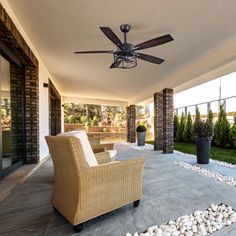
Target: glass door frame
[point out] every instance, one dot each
(8, 55)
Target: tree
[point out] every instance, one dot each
(73, 112)
(198, 115)
(210, 116)
(176, 125)
(188, 130)
(232, 134)
(222, 128)
(180, 131)
(94, 114)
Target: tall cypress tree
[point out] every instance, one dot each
(188, 130)
(198, 115)
(222, 128)
(176, 125)
(180, 131)
(232, 134)
(210, 116)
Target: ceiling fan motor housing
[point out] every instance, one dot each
(125, 28)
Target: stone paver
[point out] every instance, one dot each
(169, 191)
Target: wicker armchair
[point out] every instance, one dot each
(82, 192)
(97, 146)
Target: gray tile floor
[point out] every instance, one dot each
(169, 191)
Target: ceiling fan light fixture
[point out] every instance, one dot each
(125, 62)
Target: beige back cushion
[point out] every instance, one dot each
(88, 152)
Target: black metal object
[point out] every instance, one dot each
(136, 203)
(78, 228)
(203, 148)
(45, 85)
(125, 56)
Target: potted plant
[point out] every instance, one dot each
(204, 132)
(141, 134)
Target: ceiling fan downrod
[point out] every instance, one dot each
(125, 29)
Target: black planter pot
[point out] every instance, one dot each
(203, 146)
(141, 136)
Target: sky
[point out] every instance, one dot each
(207, 92)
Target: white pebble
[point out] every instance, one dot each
(200, 223)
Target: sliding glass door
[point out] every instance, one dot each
(11, 127)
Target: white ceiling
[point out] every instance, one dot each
(57, 28)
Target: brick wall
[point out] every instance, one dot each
(168, 126)
(128, 123)
(32, 114)
(17, 134)
(54, 109)
(13, 40)
(158, 121)
(132, 129)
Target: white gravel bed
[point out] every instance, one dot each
(199, 223)
(209, 173)
(221, 163)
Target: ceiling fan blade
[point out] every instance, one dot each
(86, 52)
(154, 42)
(115, 64)
(111, 35)
(150, 58)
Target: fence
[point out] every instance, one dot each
(229, 104)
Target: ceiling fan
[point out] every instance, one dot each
(125, 56)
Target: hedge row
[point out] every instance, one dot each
(224, 135)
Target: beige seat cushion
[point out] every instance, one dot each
(88, 152)
(112, 153)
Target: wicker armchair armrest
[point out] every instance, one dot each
(98, 149)
(103, 157)
(105, 146)
(118, 171)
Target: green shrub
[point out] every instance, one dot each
(188, 130)
(176, 125)
(180, 131)
(141, 128)
(232, 134)
(203, 129)
(222, 128)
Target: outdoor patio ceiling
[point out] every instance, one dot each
(203, 31)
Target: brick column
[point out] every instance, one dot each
(132, 124)
(17, 116)
(32, 114)
(168, 125)
(158, 121)
(128, 123)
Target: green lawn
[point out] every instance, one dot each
(221, 154)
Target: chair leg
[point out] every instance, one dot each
(78, 228)
(136, 203)
(54, 209)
